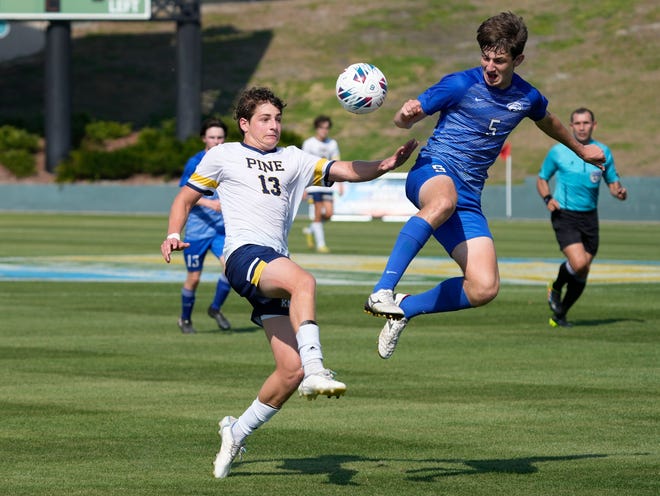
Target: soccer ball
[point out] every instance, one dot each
(361, 88)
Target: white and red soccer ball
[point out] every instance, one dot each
(361, 88)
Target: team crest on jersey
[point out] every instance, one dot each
(595, 176)
(515, 107)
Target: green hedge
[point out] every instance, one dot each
(98, 132)
(21, 163)
(17, 149)
(157, 153)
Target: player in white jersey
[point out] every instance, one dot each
(261, 187)
(320, 197)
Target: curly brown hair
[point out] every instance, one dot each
(250, 99)
(504, 32)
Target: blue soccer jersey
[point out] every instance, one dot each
(577, 182)
(475, 120)
(202, 222)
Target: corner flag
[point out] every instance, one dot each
(506, 151)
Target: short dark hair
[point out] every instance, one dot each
(320, 120)
(249, 99)
(583, 110)
(212, 122)
(504, 32)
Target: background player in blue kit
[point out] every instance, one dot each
(574, 211)
(205, 231)
(478, 110)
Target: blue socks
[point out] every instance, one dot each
(222, 290)
(412, 237)
(187, 303)
(447, 296)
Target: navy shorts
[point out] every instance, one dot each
(321, 197)
(195, 254)
(576, 227)
(243, 270)
(467, 221)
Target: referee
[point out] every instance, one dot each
(573, 211)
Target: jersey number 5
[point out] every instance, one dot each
(493, 126)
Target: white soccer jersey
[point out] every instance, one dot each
(327, 149)
(260, 192)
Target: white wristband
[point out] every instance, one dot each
(176, 236)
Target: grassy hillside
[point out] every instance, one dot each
(602, 54)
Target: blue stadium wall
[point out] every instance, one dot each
(643, 203)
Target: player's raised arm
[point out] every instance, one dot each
(410, 113)
(181, 205)
(553, 127)
(359, 170)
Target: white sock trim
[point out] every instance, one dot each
(256, 415)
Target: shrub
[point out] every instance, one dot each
(17, 149)
(12, 138)
(21, 163)
(96, 165)
(157, 152)
(100, 131)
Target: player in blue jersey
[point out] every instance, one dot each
(205, 231)
(574, 213)
(478, 109)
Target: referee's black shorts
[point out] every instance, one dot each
(576, 227)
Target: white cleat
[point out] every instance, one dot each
(322, 383)
(228, 449)
(398, 298)
(382, 304)
(389, 336)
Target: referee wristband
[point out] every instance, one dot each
(547, 199)
(176, 236)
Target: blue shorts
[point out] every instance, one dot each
(195, 254)
(467, 221)
(243, 270)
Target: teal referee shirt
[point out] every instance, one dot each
(577, 182)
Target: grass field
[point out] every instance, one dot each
(100, 394)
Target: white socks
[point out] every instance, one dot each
(319, 234)
(255, 416)
(309, 347)
(259, 413)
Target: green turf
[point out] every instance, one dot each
(47, 234)
(101, 394)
